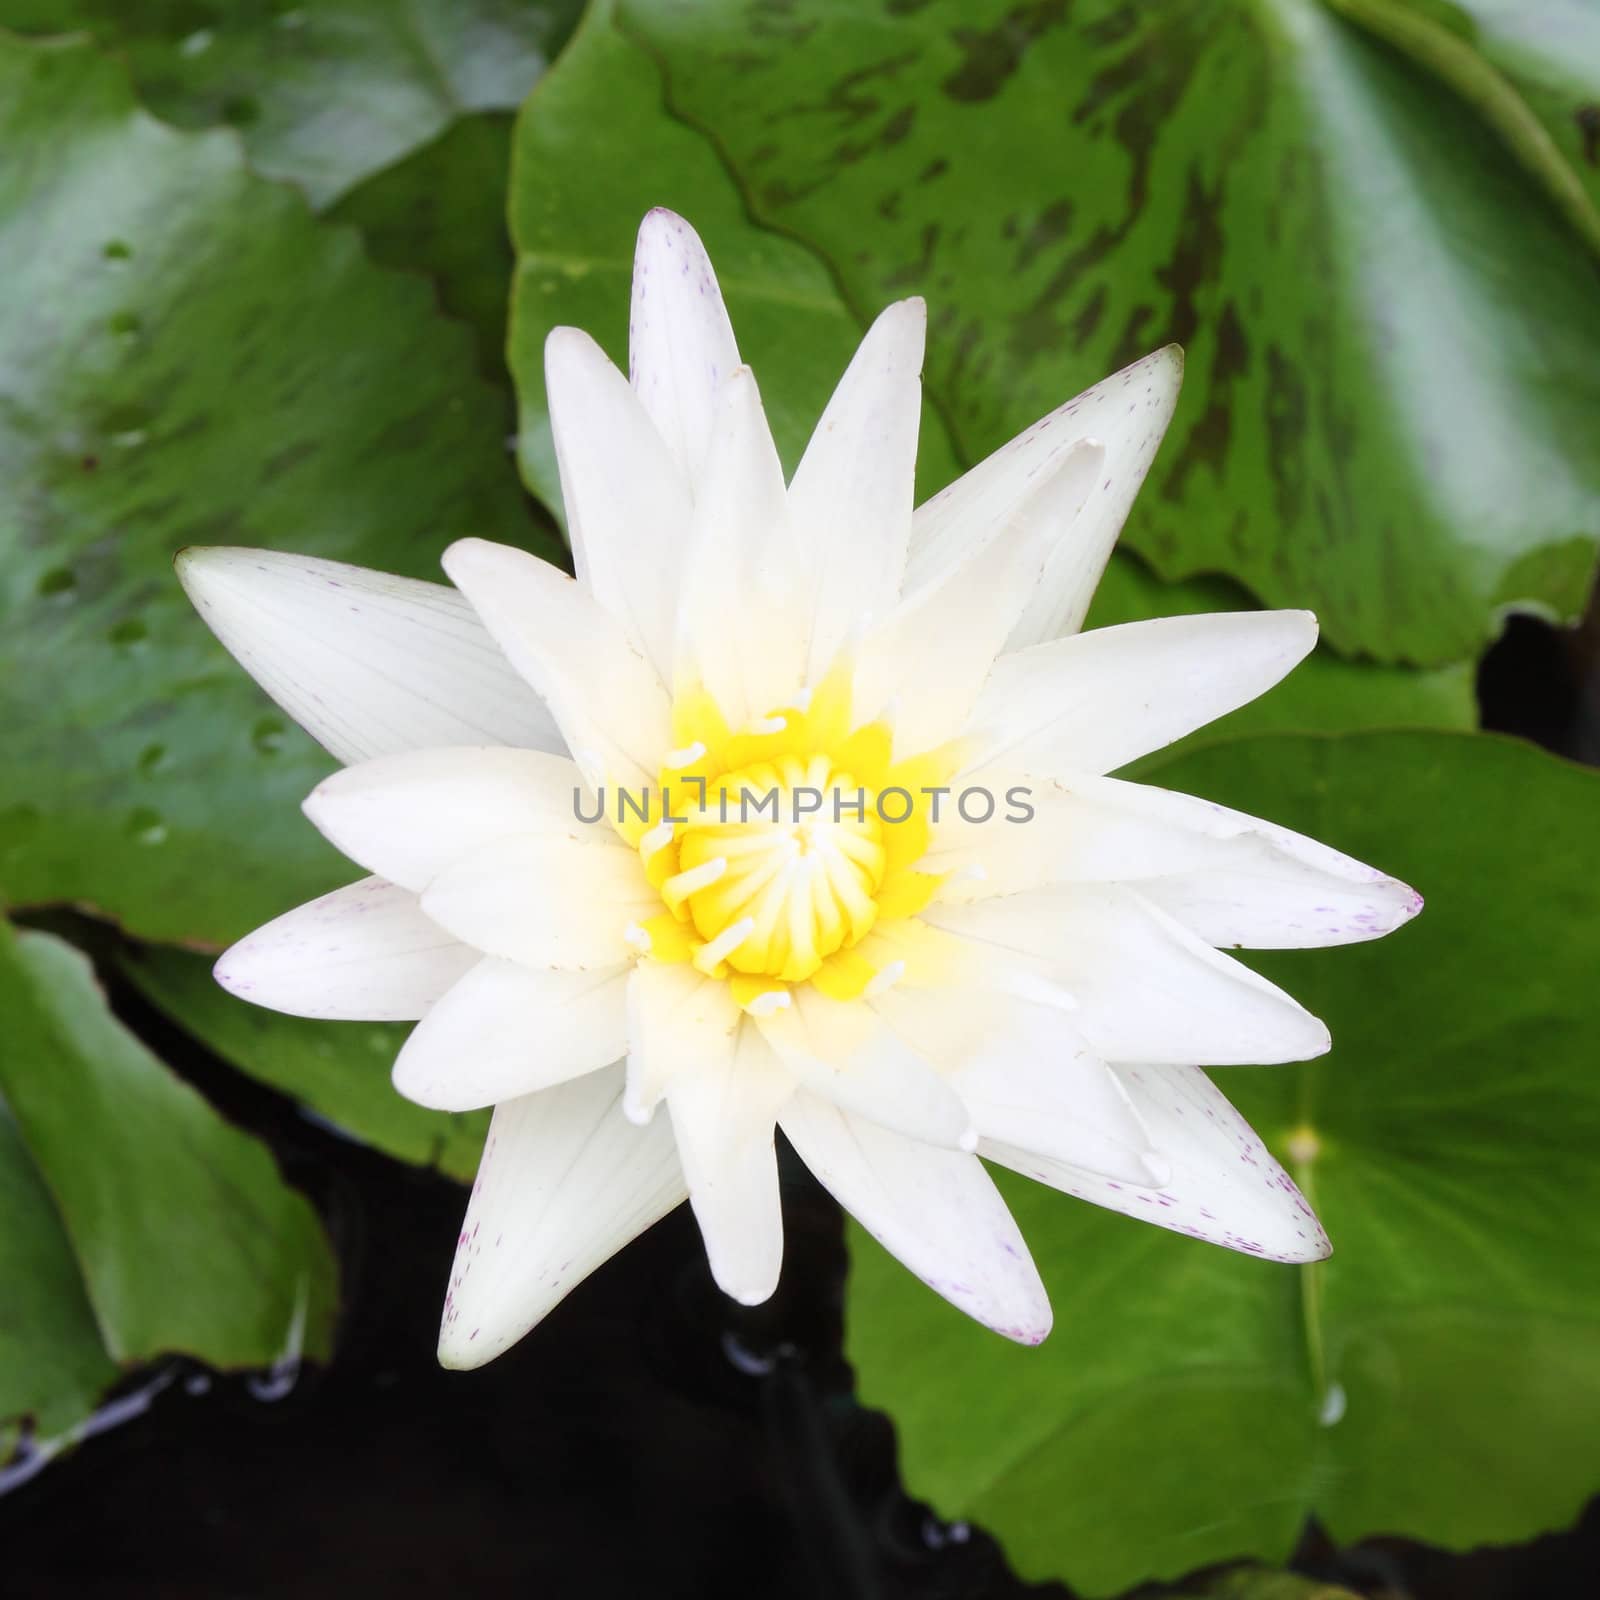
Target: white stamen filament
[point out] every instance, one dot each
(677, 760)
(709, 956)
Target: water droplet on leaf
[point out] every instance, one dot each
(147, 826)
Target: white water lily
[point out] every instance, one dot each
(905, 999)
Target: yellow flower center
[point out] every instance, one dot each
(780, 866)
(777, 848)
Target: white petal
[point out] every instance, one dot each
(1147, 989)
(1231, 879)
(678, 1024)
(366, 663)
(605, 696)
(928, 660)
(1093, 702)
(937, 1210)
(627, 502)
(1025, 1075)
(408, 817)
(851, 1056)
(506, 1030)
(1128, 414)
(1223, 1185)
(680, 344)
(544, 900)
(723, 1116)
(565, 1182)
(364, 953)
(742, 624)
(851, 497)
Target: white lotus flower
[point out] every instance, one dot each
(905, 999)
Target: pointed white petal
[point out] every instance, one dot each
(851, 1056)
(680, 344)
(1223, 1186)
(565, 1182)
(723, 1116)
(544, 900)
(1025, 1075)
(936, 1210)
(364, 953)
(1093, 702)
(506, 1030)
(742, 626)
(365, 662)
(851, 497)
(928, 660)
(1128, 414)
(407, 817)
(1146, 988)
(605, 696)
(627, 502)
(1231, 879)
(679, 1023)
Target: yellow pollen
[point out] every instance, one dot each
(795, 866)
(779, 844)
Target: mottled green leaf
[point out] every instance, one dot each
(324, 92)
(186, 1235)
(1439, 1377)
(53, 1366)
(190, 359)
(596, 149)
(338, 1070)
(1393, 336)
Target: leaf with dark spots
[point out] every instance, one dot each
(992, 55)
(582, 181)
(1237, 185)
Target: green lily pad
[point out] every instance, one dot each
(53, 1366)
(1447, 1141)
(1393, 336)
(137, 1222)
(338, 1070)
(596, 149)
(327, 93)
(193, 359)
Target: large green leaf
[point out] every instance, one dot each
(190, 359)
(186, 1236)
(1438, 1377)
(324, 92)
(339, 1070)
(1393, 335)
(595, 149)
(53, 1366)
